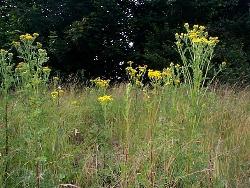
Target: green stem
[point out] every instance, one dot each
(6, 143)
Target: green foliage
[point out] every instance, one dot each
(30, 73)
(97, 36)
(196, 49)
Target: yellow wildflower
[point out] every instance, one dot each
(177, 81)
(57, 93)
(131, 72)
(138, 83)
(105, 99)
(166, 72)
(195, 27)
(130, 63)
(54, 94)
(204, 40)
(142, 68)
(178, 43)
(196, 40)
(101, 83)
(26, 37)
(213, 40)
(154, 75)
(192, 35)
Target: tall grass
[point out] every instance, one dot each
(162, 134)
(70, 143)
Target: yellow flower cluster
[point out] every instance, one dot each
(100, 83)
(177, 81)
(29, 37)
(56, 94)
(154, 75)
(105, 99)
(136, 74)
(131, 71)
(196, 35)
(167, 76)
(166, 72)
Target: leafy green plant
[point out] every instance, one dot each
(31, 73)
(7, 80)
(196, 49)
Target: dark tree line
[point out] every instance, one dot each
(97, 37)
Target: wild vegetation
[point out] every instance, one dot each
(94, 38)
(162, 128)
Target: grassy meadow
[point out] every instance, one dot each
(154, 138)
(168, 128)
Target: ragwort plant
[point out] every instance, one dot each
(159, 80)
(31, 79)
(132, 88)
(32, 76)
(104, 131)
(196, 49)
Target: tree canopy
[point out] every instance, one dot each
(98, 37)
